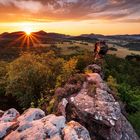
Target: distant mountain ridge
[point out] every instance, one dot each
(39, 34)
(42, 33)
(16, 38)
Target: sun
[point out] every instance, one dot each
(27, 30)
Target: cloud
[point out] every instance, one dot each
(131, 20)
(32, 6)
(74, 9)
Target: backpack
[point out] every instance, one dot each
(103, 49)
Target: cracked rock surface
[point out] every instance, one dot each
(34, 125)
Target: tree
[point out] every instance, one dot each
(26, 79)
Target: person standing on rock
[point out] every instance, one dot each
(96, 50)
(100, 50)
(103, 49)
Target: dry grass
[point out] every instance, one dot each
(83, 46)
(122, 52)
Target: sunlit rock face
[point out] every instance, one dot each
(96, 108)
(74, 131)
(34, 125)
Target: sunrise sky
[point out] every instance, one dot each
(72, 17)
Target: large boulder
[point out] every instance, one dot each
(95, 108)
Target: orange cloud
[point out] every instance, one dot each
(68, 9)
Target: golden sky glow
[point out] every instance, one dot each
(72, 17)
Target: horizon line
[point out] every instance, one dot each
(73, 35)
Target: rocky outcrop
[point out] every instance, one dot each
(95, 108)
(34, 125)
(85, 110)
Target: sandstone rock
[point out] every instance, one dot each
(9, 115)
(74, 131)
(95, 78)
(97, 109)
(95, 68)
(31, 114)
(57, 121)
(28, 131)
(127, 130)
(6, 127)
(48, 127)
(34, 125)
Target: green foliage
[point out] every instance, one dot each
(51, 105)
(2, 77)
(26, 79)
(112, 83)
(68, 69)
(127, 75)
(135, 121)
(32, 78)
(32, 105)
(122, 70)
(130, 96)
(84, 61)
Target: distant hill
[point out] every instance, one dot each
(16, 38)
(92, 36)
(84, 38)
(133, 46)
(42, 34)
(125, 37)
(50, 35)
(39, 34)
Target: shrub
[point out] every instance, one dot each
(83, 61)
(113, 49)
(2, 77)
(135, 121)
(27, 78)
(68, 69)
(31, 78)
(112, 83)
(130, 96)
